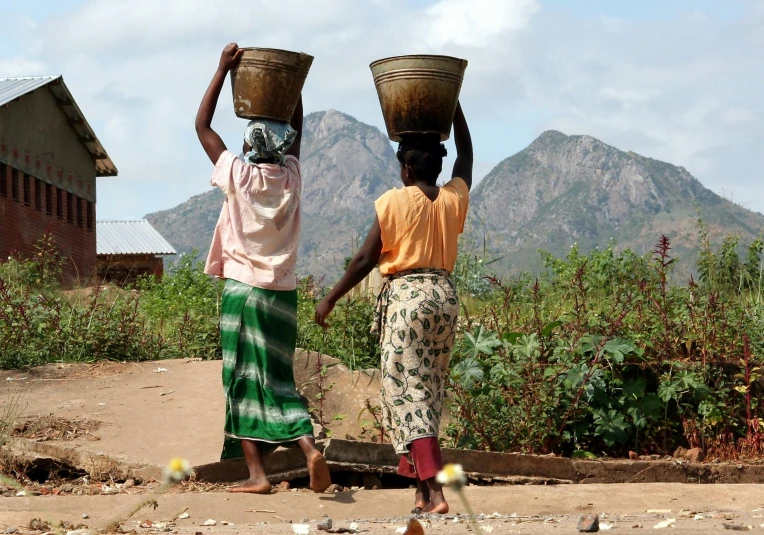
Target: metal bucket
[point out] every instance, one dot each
(418, 94)
(267, 83)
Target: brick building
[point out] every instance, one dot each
(49, 161)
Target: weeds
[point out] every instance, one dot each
(604, 353)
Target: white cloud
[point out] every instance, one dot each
(684, 90)
(476, 23)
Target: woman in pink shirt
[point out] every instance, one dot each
(254, 248)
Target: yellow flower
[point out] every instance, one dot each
(177, 470)
(453, 475)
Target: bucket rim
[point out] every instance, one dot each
(266, 49)
(408, 56)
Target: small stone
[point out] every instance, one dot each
(85, 515)
(633, 455)
(184, 515)
(11, 529)
(283, 486)
(589, 524)
(694, 455)
(354, 527)
(324, 525)
(146, 524)
(371, 482)
(128, 484)
(209, 522)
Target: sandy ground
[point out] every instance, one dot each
(154, 411)
(149, 415)
(538, 509)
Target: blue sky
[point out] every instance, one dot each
(674, 80)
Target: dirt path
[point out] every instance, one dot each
(537, 509)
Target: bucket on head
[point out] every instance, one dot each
(267, 83)
(418, 94)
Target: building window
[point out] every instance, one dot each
(79, 212)
(27, 193)
(69, 207)
(59, 203)
(38, 194)
(15, 184)
(89, 214)
(3, 180)
(48, 199)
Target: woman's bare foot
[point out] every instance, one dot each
(320, 479)
(437, 505)
(254, 486)
(421, 497)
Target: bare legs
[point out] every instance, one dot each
(320, 479)
(437, 502)
(424, 464)
(258, 482)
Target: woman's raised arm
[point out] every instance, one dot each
(463, 141)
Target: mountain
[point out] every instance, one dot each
(346, 164)
(559, 191)
(562, 190)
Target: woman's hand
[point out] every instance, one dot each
(230, 57)
(323, 310)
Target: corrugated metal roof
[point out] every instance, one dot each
(130, 237)
(13, 88)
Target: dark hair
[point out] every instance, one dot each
(424, 154)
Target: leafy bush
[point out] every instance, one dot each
(604, 355)
(348, 337)
(183, 308)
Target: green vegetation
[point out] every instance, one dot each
(603, 353)
(40, 322)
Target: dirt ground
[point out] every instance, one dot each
(180, 404)
(151, 412)
(518, 509)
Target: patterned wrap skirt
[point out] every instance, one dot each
(258, 334)
(416, 321)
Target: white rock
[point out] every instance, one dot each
(184, 516)
(665, 523)
(301, 529)
(85, 515)
(401, 530)
(354, 527)
(209, 522)
(604, 526)
(487, 529)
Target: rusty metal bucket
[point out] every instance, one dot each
(267, 83)
(418, 94)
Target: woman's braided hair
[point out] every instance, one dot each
(423, 153)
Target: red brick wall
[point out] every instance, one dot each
(22, 225)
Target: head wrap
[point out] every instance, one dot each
(269, 140)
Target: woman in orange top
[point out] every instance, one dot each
(414, 241)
